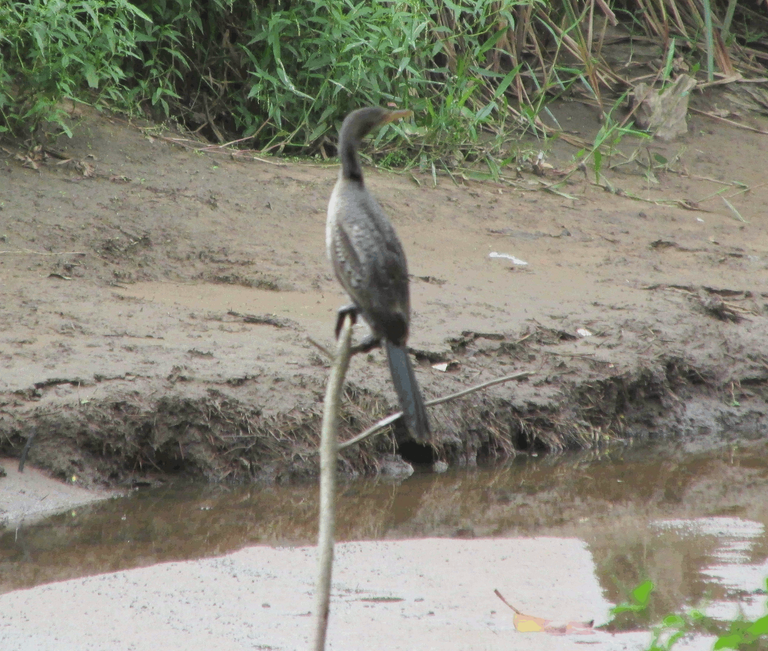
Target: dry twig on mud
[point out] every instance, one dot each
(715, 306)
(261, 319)
(506, 603)
(732, 123)
(31, 252)
(384, 422)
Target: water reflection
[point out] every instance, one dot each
(685, 521)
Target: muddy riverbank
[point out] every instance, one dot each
(157, 302)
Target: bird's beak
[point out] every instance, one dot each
(396, 115)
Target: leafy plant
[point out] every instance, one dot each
(283, 74)
(739, 633)
(610, 133)
(55, 49)
(640, 599)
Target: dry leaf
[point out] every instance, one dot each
(529, 624)
(86, 169)
(664, 112)
(26, 161)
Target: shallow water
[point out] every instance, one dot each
(694, 522)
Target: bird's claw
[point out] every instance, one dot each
(350, 310)
(369, 343)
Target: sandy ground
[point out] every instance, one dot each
(157, 303)
(422, 594)
(30, 495)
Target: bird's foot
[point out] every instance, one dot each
(350, 310)
(367, 344)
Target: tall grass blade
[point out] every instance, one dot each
(709, 40)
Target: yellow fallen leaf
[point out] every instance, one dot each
(528, 624)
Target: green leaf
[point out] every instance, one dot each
(132, 8)
(484, 112)
(730, 641)
(86, 6)
(697, 615)
(670, 60)
(642, 593)
(597, 159)
(491, 42)
(141, 37)
(38, 31)
(90, 75)
(502, 87)
(760, 627)
(318, 131)
(627, 608)
(289, 84)
(673, 621)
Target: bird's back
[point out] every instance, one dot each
(368, 259)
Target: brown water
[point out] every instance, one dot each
(693, 522)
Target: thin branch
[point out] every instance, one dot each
(380, 425)
(506, 603)
(499, 380)
(738, 125)
(328, 459)
(320, 347)
(31, 252)
(373, 429)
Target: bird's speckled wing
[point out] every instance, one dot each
(368, 259)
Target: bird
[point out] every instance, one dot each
(370, 264)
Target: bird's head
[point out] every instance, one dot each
(359, 123)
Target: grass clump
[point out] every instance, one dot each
(282, 74)
(51, 50)
(739, 633)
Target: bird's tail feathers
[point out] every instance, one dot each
(408, 392)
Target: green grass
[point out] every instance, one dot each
(282, 74)
(57, 49)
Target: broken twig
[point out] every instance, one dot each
(384, 422)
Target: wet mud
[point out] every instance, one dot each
(157, 303)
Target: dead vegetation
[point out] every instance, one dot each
(223, 439)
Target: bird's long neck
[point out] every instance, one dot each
(349, 141)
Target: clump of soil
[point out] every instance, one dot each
(157, 308)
